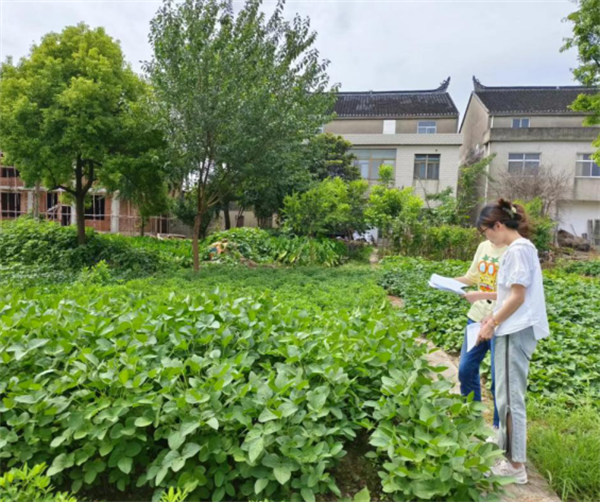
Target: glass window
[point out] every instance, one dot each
(427, 167)
(427, 127)
(10, 203)
(96, 209)
(586, 166)
(9, 172)
(523, 164)
(520, 123)
(368, 161)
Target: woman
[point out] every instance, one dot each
(483, 272)
(518, 322)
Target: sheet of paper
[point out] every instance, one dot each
(472, 333)
(446, 284)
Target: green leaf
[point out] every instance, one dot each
(175, 440)
(282, 474)
(267, 415)
(307, 495)
(260, 485)
(218, 494)
(125, 464)
(62, 462)
(57, 441)
(362, 496)
(124, 376)
(214, 423)
(189, 450)
(256, 448)
(142, 422)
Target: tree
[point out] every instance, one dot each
(544, 183)
(586, 39)
(388, 204)
(329, 156)
(332, 207)
(471, 176)
(234, 88)
(66, 110)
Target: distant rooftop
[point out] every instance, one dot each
(535, 100)
(396, 104)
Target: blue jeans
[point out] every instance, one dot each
(468, 370)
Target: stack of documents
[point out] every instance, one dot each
(447, 284)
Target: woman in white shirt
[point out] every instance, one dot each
(518, 322)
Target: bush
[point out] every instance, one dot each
(238, 398)
(438, 242)
(30, 485)
(332, 207)
(30, 242)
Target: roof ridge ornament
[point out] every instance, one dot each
(444, 85)
(477, 85)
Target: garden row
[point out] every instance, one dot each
(229, 398)
(565, 366)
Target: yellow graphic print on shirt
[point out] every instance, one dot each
(488, 272)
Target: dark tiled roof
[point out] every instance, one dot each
(537, 100)
(393, 104)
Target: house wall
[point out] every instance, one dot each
(351, 126)
(541, 121)
(405, 163)
(410, 126)
(560, 157)
(474, 127)
(574, 215)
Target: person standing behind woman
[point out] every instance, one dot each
(483, 272)
(518, 322)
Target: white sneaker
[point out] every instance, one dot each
(505, 469)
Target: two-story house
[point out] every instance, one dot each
(413, 131)
(529, 128)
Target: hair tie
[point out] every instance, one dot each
(512, 211)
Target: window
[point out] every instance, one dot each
(368, 162)
(11, 204)
(389, 127)
(520, 123)
(427, 167)
(523, 163)
(8, 172)
(586, 167)
(95, 210)
(427, 127)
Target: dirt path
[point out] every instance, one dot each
(537, 490)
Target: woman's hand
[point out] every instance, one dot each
(472, 296)
(486, 332)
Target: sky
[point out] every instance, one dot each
(374, 45)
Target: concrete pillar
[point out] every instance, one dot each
(115, 213)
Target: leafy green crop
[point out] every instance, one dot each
(229, 398)
(565, 365)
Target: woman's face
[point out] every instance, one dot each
(496, 234)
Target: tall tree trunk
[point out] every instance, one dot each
(36, 200)
(226, 215)
(195, 243)
(80, 210)
(142, 225)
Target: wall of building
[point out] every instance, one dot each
(560, 157)
(410, 126)
(541, 121)
(474, 127)
(351, 126)
(574, 215)
(405, 164)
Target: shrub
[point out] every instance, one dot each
(332, 207)
(242, 398)
(30, 485)
(590, 268)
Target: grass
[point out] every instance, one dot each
(565, 447)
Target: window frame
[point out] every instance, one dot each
(591, 163)
(424, 127)
(96, 210)
(523, 161)
(10, 213)
(13, 170)
(521, 120)
(373, 163)
(429, 165)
